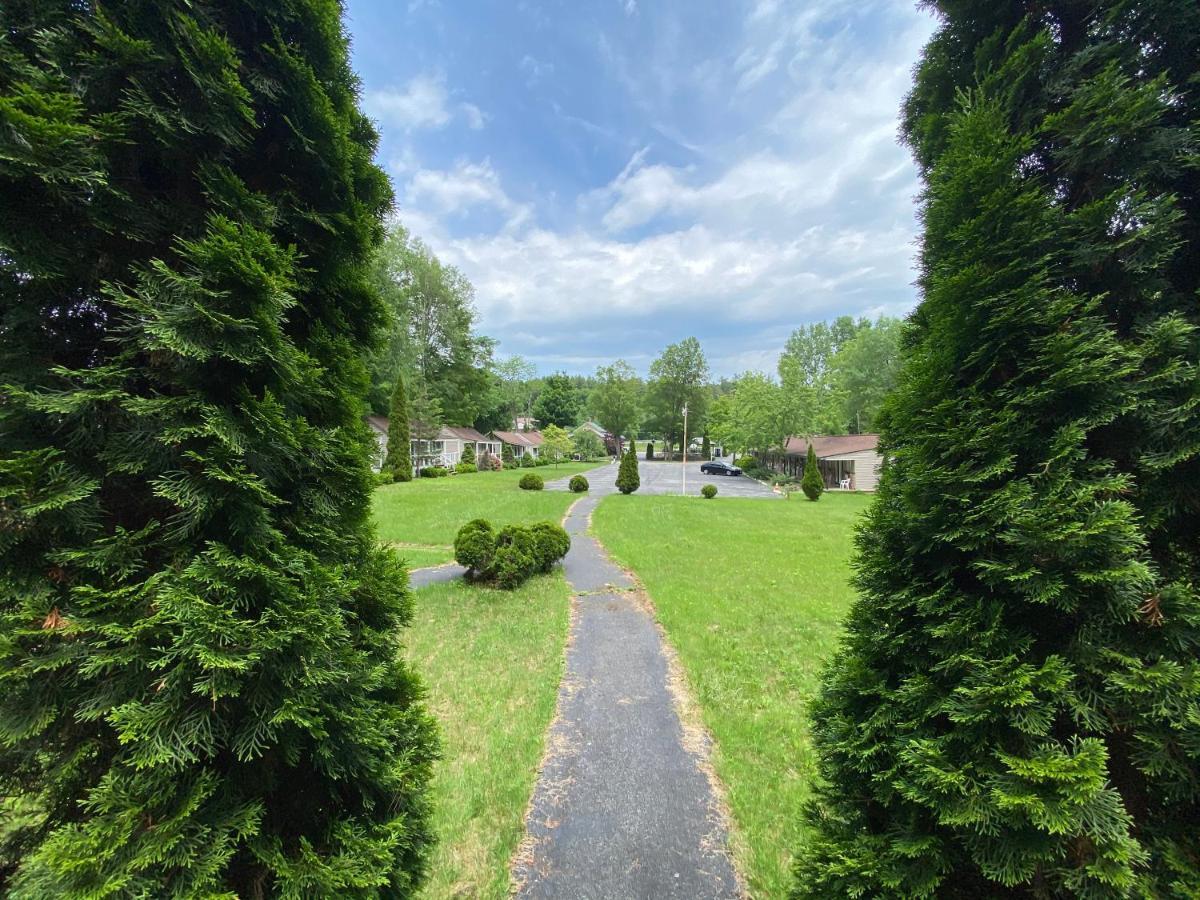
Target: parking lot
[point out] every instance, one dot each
(667, 478)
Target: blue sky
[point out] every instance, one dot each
(616, 175)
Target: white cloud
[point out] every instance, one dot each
(423, 102)
(473, 114)
(459, 190)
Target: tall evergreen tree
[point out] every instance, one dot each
(628, 479)
(399, 446)
(811, 482)
(1014, 710)
(202, 694)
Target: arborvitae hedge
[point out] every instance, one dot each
(468, 454)
(202, 693)
(628, 479)
(1014, 709)
(399, 446)
(506, 456)
(812, 483)
(705, 448)
(649, 450)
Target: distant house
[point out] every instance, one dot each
(606, 438)
(525, 423)
(444, 449)
(845, 460)
(522, 442)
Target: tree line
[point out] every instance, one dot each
(831, 377)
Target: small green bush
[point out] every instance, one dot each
(531, 482)
(515, 558)
(649, 450)
(475, 546)
(746, 463)
(506, 455)
(468, 454)
(708, 491)
(387, 476)
(578, 484)
(527, 461)
(435, 472)
(550, 544)
(542, 461)
(465, 468)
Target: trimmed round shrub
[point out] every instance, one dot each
(531, 482)
(465, 468)
(708, 491)
(550, 544)
(475, 545)
(515, 558)
(578, 484)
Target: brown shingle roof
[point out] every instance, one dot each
(379, 423)
(516, 438)
(832, 444)
(464, 433)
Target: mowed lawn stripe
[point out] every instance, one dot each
(751, 595)
(431, 510)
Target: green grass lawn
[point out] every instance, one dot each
(751, 594)
(491, 661)
(429, 511)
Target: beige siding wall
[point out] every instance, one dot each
(866, 468)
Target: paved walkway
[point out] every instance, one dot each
(667, 478)
(622, 808)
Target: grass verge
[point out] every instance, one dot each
(431, 510)
(751, 594)
(491, 661)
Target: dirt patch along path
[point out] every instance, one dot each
(623, 807)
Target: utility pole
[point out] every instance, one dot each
(685, 449)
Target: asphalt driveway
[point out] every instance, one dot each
(667, 478)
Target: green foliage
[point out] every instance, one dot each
(399, 450)
(615, 401)
(708, 491)
(550, 544)
(678, 378)
(558, 402)
(705, 448)
(578, 484)
(465, 468)
(811, 482)
(1013, 709)
(628, 479)
(516, 557)
(468, 454)
(556, 445)
(506, 454)
(531, 482)
(475, 546)
(434, 472)
(586, 444)
(527, 461)
(202, 694)
(745, 462)
(754, 416)
(649, 449)
(513, 554)
(429, 337)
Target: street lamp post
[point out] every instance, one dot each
(685, 449)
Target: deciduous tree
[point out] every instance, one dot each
(615, 401)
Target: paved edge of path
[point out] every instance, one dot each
(677, 843)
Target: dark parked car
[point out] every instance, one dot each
(716, 467)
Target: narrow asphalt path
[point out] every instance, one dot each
(622, 808)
